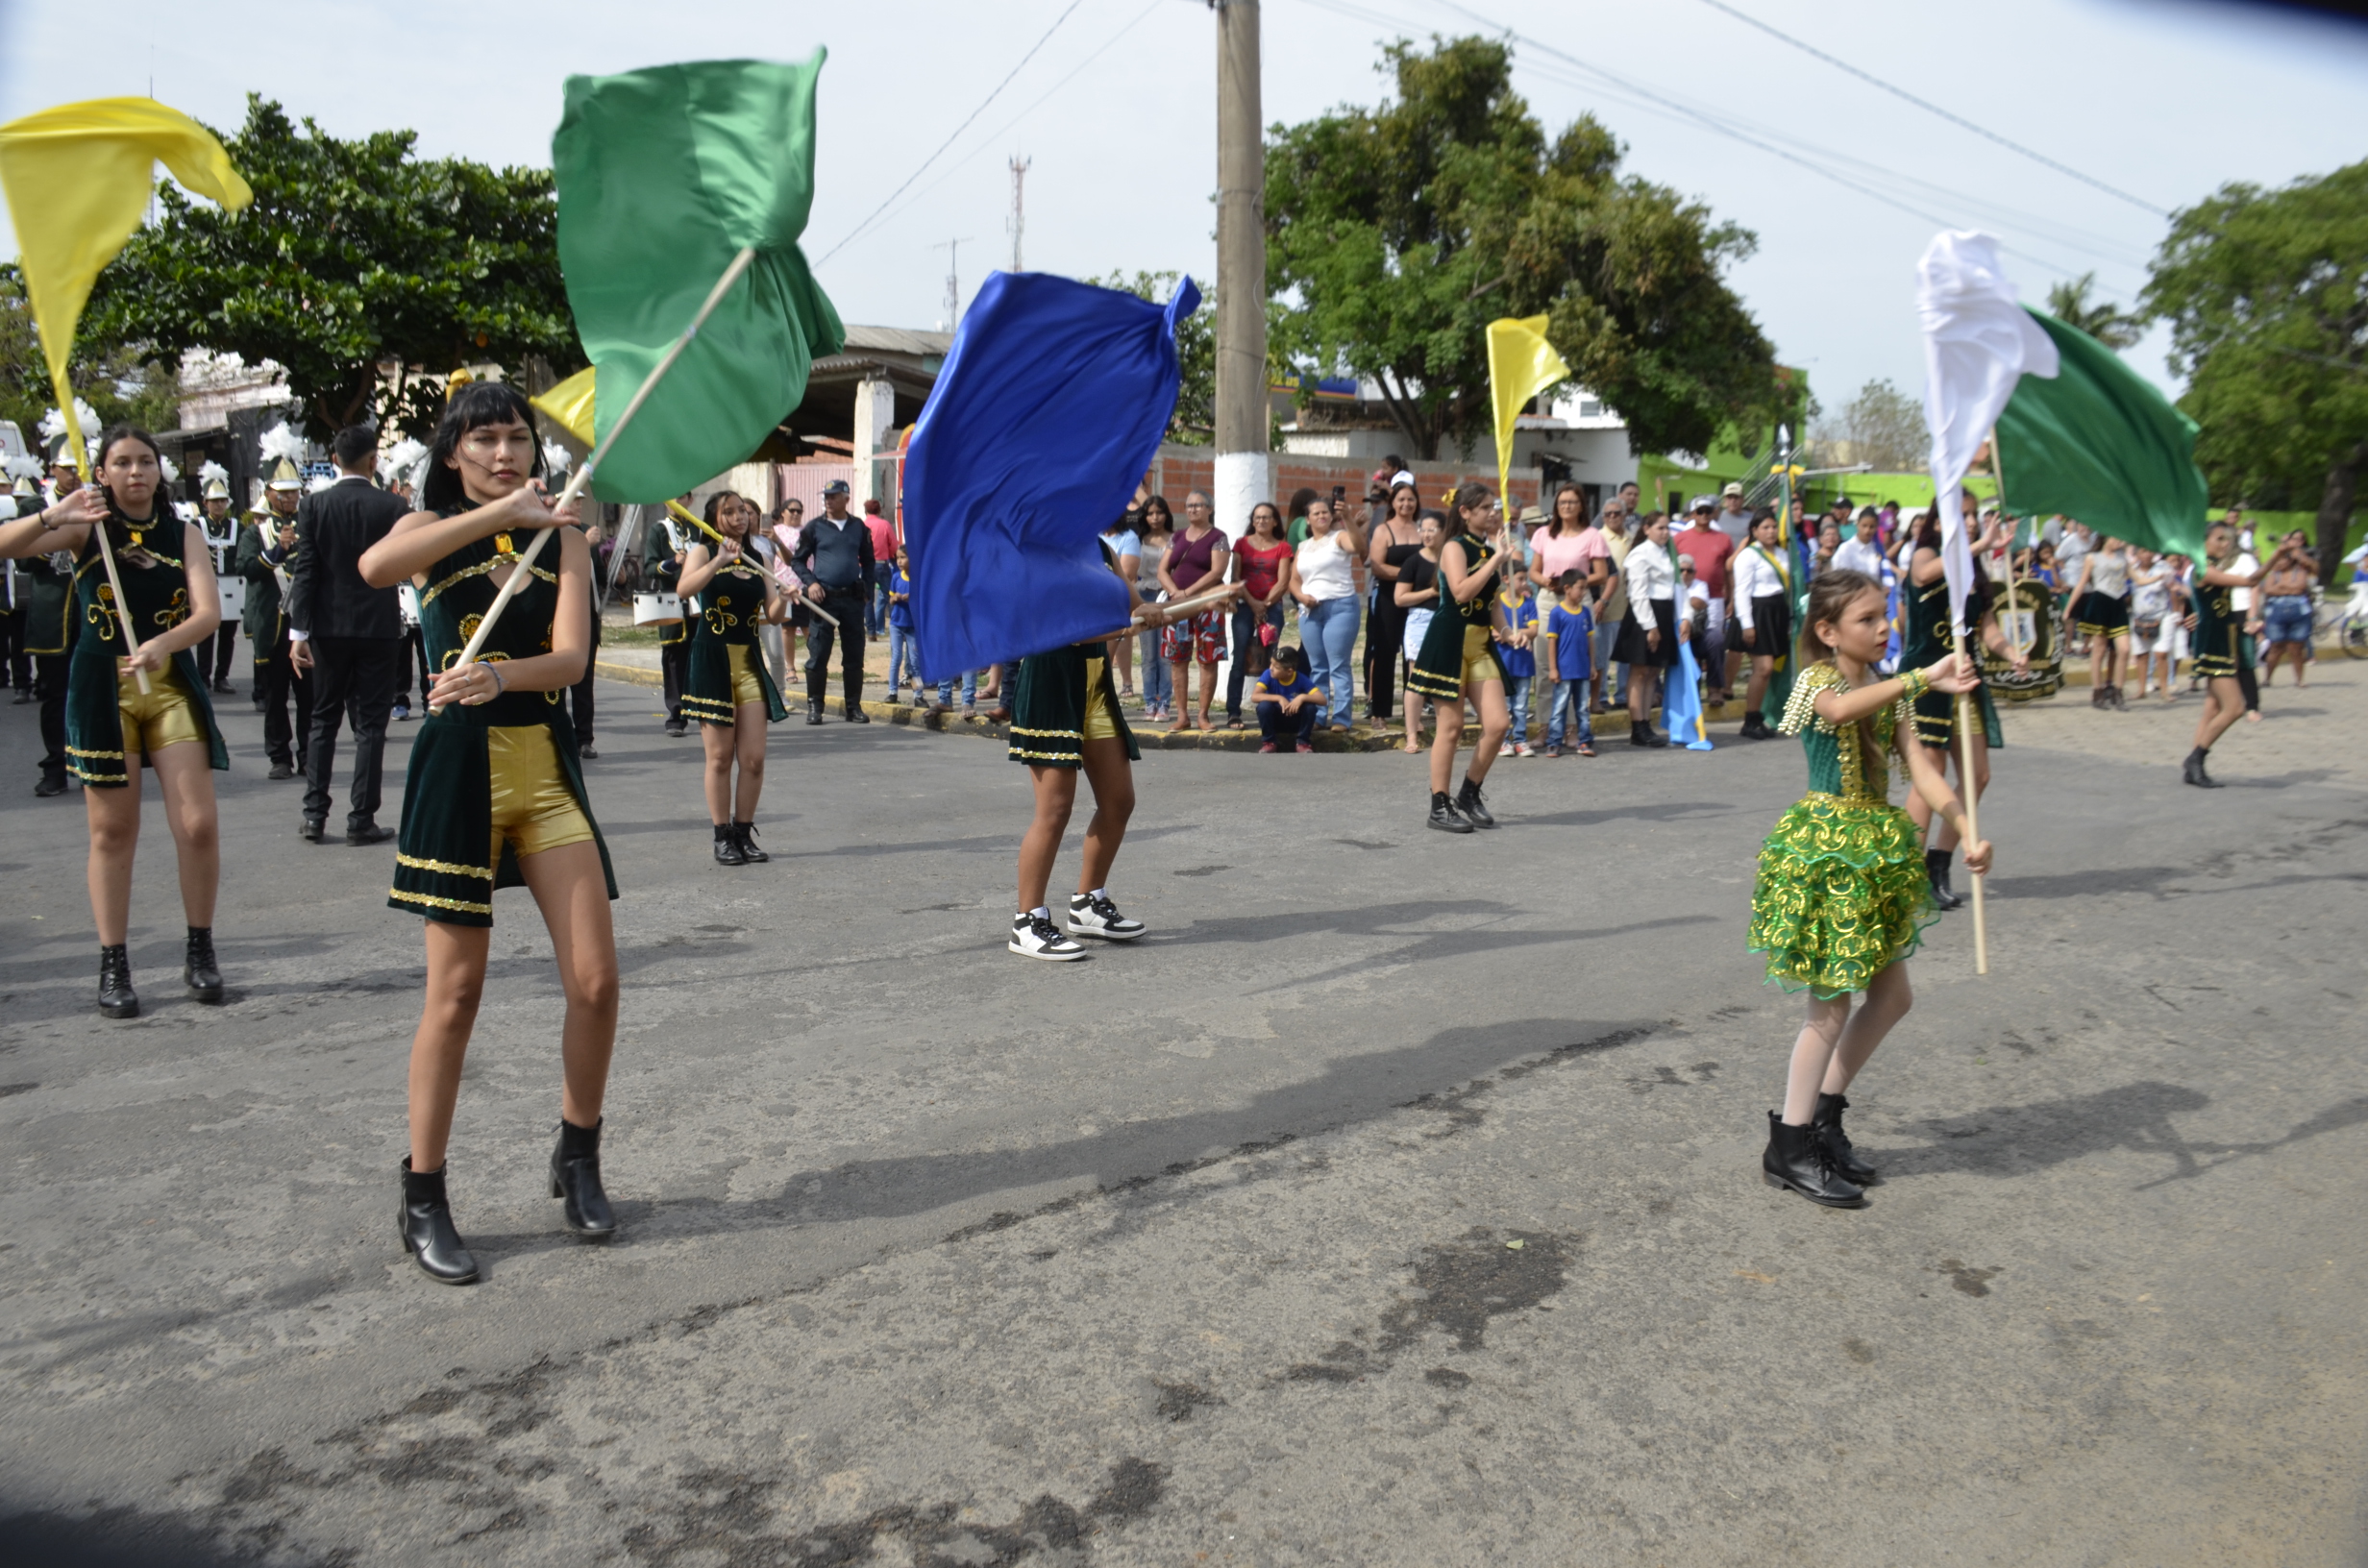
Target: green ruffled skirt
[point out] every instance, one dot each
(1842, 895)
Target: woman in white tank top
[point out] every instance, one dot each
(2101, 610)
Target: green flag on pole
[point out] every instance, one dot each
(2098, 443)
(664, 177)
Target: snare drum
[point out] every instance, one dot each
(407, 603)
(233, 593)
(657, 609)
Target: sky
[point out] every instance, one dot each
(1113, 103)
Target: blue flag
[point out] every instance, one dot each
(1051, 407)
(1681, 702)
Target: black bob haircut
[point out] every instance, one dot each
(475, 405)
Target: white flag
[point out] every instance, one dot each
(1977, 343)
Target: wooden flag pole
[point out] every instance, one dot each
(522, 570)
(695, 521)
(106, 553)
(1973, 823)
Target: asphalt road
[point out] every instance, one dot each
(1394, 1203)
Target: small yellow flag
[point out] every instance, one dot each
(1521, 364)
(78, 177)
(570, 403)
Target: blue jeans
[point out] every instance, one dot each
(1287, 731)
(1249, 654)
(1158, 685)
(1516, 704)
(1329, 629)
(1570, 696)
(876, 607)
(899, 658)
(970, 691)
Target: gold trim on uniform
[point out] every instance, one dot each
(433, 902)
(428, 595)
(445, 867)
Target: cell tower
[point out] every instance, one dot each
(1019, 206)
(954, 284)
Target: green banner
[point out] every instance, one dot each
(2098, 443)
(664, 176)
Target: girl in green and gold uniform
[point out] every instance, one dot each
(1842, 897)
(113, 728)
(495, 797)
(1926, 637)
(2216, 628)
(1458, 662)
(728, 689)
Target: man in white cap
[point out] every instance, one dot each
(1734, 520)
(265, 552)
(222, 534)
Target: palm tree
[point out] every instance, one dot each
(2108, 322)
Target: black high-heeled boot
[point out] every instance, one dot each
(1826, 1123)
(727, 846)
(575, 1176)
(1796, 1158)
(117, 997)
(1936, 864)
(429, 1235)
(198, 970)
(744, 834)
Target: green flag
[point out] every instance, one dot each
(664, 177)
(2098, 443)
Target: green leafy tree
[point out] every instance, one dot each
(2068, 302)
(1882, 425)
(1195, 423)
(355, 256)
(2266, 292)
(1404, 229)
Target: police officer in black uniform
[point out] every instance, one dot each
(833, 559)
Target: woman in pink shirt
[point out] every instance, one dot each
(1570, 543)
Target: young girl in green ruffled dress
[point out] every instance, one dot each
(1842, 897)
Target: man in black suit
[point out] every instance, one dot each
(347, 633)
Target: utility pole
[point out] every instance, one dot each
(1019, 209)
(1244, 465)
(954, 284)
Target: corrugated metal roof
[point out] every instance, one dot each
(897, 340)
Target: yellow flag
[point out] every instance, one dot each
(78, 178)
(570, 403)
(1521, 364)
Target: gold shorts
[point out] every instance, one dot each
(746, 688)
(1478, 665)
(532, 806)
(163, 717)
(1101, 724)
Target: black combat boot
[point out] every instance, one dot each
(1826, 1123)
(744, 834)
(1468, 802)
(117, 997)
(1936, 864)
(728, 850)
(1444, 815)
(1796, 1158)
(198, 970)
(575, 1176)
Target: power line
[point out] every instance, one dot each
(1930, 106)
(957, 132)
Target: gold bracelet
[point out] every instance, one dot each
(1914, 684)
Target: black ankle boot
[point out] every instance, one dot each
(575, 1176)
(744, 834)
(117, 997)
(728, 850)
(428, 1233)
(1936, 864)
(813, 710)
(1826, 1123)
(2194, 772)
(198, 970)
(1468, 802)
(1796, 1158)
(1444, 815)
